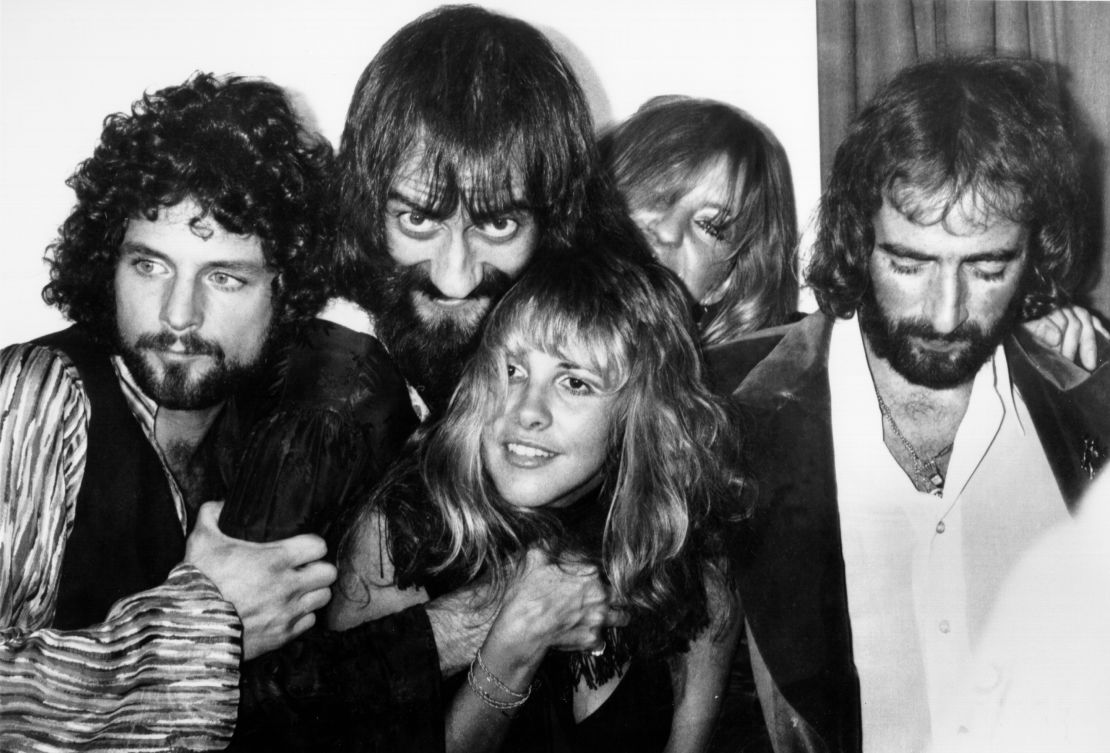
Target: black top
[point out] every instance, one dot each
(334, 419)
(126, 535)
(636, 717)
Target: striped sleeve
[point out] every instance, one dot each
(43, 419)
(161, 672)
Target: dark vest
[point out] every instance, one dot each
(126, 533)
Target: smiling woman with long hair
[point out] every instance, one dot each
(581, 434)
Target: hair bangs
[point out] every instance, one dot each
(491, 169)
(656, 167)
(928, 196)
(582, 335)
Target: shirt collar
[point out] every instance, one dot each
(850, 358)
(145, 410)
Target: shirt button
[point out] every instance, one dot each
(986, 678)
(944, 626)
(940, 527)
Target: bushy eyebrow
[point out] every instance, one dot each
(515, 207)
(417, 205)
(131, 248)
(516, 210)
(905, 252)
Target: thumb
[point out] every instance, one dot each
(209, 515)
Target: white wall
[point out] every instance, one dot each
(65, 64)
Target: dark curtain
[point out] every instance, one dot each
(862, 43)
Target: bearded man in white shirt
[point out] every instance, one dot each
(912, 441)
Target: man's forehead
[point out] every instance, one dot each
(416, 179)
(186, 230)
(970, 211)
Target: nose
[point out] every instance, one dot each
(947, 302)
(181, 308)
(664, 233)
(456, 270)
(531, 407)
(666, 230)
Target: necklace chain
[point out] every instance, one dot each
(933, 478)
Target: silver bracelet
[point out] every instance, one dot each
(497, 680)
(518, 699)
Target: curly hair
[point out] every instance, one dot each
(665, 148)
(488, 107)
(673, 455)
(237, 149)
(942, 132)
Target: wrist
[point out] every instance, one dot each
(512, 653)
(494, 691)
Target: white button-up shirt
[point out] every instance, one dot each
(923, 571)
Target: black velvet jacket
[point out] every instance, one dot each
(790, 567)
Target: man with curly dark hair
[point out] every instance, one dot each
(195, 249)
(913, 440)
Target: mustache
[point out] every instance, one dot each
(190, 343)
(917, 328)
(416, 279)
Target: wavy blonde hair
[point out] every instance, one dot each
(664, 150)
(670, 471)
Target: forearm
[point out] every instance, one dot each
(474, 727)
(160, 673)
(699, 679)
(499, 682)
(460, 623)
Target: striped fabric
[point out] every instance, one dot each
(161, 673)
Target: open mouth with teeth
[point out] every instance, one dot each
(526, 455)
(528, 451)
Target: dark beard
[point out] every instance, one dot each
(892, 341)
(174, 390)
(430, 355)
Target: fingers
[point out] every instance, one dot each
(257, 642)
(588, 632)
(615, 617)
(303, 549)
(1073, 331)
(535, 558)
(317, 577)
(316, 599)
(1088, 338)
(581, 639)
(209, 515)
(1049, 329)
(301, 625)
